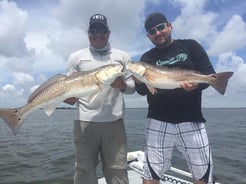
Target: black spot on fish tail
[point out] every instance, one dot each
(220, 81)
(11, 118)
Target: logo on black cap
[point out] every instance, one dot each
(98, 18)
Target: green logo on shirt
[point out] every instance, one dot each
(179, 58)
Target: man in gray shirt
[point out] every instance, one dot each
(99, 126)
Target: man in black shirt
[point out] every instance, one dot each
(174, 115)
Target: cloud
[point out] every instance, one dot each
(236, 88)
(37, 38)
(231, 38)
(207, 27)
(231, 62)
(8, 88)
(13, 29)
(64, 42)
(22, 78)
(8, 92)
(193, 21)
(124, 18)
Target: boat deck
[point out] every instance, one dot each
(135, 173)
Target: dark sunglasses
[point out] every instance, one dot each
(100, 31)
(159, 27)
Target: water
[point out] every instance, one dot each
(42, 152)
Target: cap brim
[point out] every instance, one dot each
(95, 23)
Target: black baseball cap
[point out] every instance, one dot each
(154, 19)
(98, 18)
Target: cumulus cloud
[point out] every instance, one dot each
(231, 62)
(236, 88)
(8, 92)
(8, 88)
(22, 78)
(64, 42)
(231, 38)
(35, 45)
(124, 18)
(13, 29)
(194, 22)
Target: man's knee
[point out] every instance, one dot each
(85, 176)
(199, 182)
(150, 181)
(116, 176)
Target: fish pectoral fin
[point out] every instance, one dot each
(49, 109)
(151, 89)
(150, 78)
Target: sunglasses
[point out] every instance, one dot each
(98, 31)
(159, 27)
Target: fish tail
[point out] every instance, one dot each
(220, 81)
(11, 118)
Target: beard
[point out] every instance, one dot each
(164, 40)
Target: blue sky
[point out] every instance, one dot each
(37, 36)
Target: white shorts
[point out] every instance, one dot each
(190, 139)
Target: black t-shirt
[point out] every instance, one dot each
(177, 105)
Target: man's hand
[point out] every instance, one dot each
(188, 86)
(119, 83)
(70, 101)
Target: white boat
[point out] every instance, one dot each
(135, 172)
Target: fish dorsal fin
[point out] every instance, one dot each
(151, 89)
(45, 85)
(49, 109)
